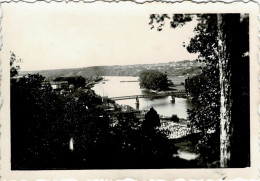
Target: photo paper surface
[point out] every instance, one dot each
(127, 90)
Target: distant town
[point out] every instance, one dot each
(180, 68)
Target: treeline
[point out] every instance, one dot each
(127, 70)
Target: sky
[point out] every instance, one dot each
(60, 35)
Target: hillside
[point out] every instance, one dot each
(181, 68)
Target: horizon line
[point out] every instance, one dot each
(104, 66)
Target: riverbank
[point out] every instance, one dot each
(177, 132)
(114, 87)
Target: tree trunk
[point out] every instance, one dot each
(227, 24)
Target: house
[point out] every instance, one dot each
(59, 85)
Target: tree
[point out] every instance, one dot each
(175, 118)
(154, 80)
(231, 52)
(225, 91)
(152, 120)
(33, 113)
(42, 123)
(14, 68)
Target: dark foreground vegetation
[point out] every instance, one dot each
(43, 124)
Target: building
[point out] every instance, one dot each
(56, 85)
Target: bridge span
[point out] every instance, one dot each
(173, 94)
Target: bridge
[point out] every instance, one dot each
(172, 93)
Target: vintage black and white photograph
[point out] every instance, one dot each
(124, 89)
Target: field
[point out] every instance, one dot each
(179, 82)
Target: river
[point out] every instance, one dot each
(115, 86)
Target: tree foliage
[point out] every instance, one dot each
(14, 68)
(152, 120)
(42, 124)
(175, 118)
(205, 88)
(177, 20)
(154, 80)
